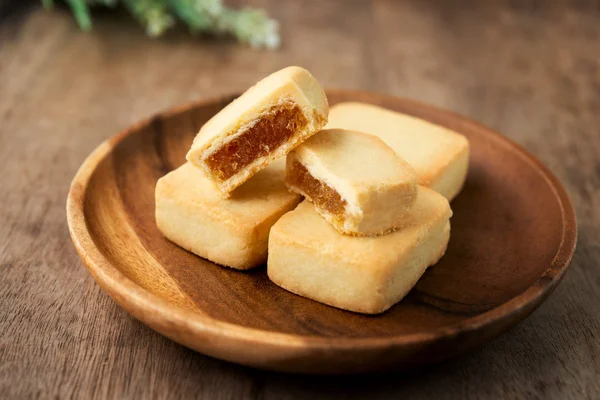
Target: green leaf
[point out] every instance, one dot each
(82, 14)
(199, 15)
(248, 25)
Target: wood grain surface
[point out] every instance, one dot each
(490, 278)
(529, 69)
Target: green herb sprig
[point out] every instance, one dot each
(248, 25)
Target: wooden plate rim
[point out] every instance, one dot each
(133, 297)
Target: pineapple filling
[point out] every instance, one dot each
(320, 193)
(271, 131)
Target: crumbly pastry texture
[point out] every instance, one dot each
(439, 156)
(263, 124)
(232, 232)
(307, 256)
(356, 182)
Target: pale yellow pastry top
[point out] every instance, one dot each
(427, 147)
(304, 227)
(287, 84)
(248, 205)
(353, 158)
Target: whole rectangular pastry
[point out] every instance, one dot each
(356, 182)
(232, 232)
(307, 256)
(261, 125)
(439, 156)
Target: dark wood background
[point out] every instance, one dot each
(529, 69)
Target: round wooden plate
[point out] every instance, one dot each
(513, 236)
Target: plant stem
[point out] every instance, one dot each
(152, 14)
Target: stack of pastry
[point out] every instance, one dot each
(376, 186)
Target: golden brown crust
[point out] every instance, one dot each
(232, 232)
(309, 257)
(293, 86)
(355, 181)
(438, 155)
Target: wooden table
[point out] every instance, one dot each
(529, 69)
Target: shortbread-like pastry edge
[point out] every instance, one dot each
(292, 87)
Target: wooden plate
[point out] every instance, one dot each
(513, 236)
